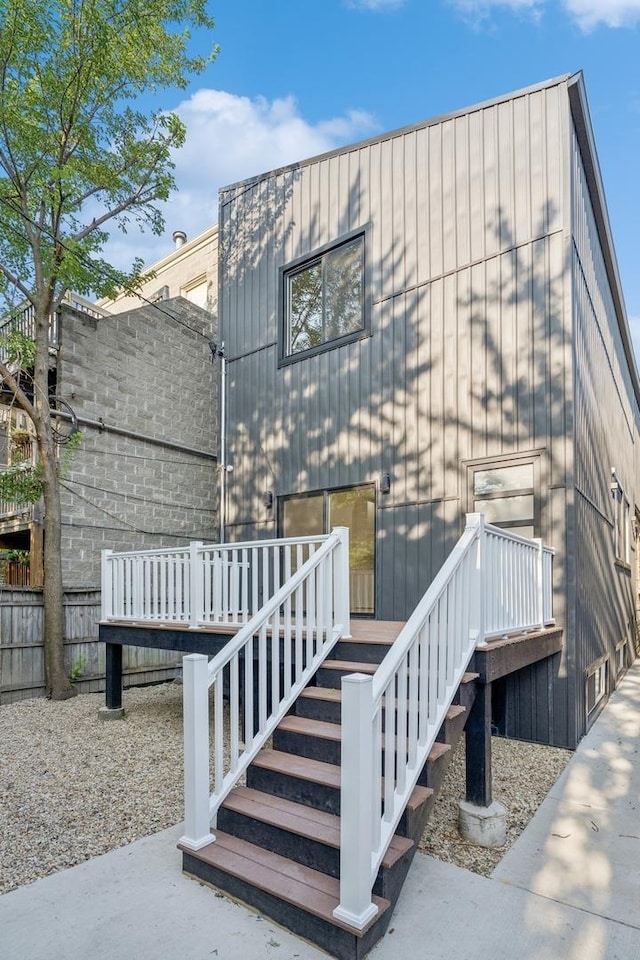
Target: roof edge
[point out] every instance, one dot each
(397, 132)
(584, 131)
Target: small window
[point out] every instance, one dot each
(506, 496)
(196, 292)
(621, 521)
(620, 659)
(323, 299)
(596, 686)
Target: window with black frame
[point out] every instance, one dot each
(621, 521)
(323, 299)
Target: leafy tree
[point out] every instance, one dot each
(77, 156)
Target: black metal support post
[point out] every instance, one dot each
(478, 752)
(113, 689)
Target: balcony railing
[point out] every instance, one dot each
(23, 321)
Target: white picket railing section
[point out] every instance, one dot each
(516, 583)
(492, 582)
(200, 584)
(281, 647)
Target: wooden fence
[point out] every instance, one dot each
(22, 648)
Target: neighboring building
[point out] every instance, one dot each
(428, 323)
(189, 271)
(141, 387)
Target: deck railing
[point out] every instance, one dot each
(23, 321)
(274, 655)
(492, 582)
(516, 584)
(200, 584)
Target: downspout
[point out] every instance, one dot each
(223, 437)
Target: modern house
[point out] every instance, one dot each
(430, 323)
(419, 327)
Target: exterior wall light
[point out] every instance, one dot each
(385, 482)
(267, 499)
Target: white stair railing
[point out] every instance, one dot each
(273, 655)
(202, 583)
(492, 582)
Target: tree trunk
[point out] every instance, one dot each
(59, 687)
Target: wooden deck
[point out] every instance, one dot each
(208, 639)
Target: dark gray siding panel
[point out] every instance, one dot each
(606, 438)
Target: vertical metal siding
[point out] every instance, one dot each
(470, 347)
(606, 431)
(480, 378)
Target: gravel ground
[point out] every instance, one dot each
(523, 774)
(73, 786)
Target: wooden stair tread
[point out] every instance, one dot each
(419, 795)
(304, 821)
(331, 695)
(311, 728)
(316, 771)
(369, 640)
(315, 892)
(468, 677)
(454, 711)
(333, 732)
(322, 693)
(385, 631)
(349, 666)
(438, 750)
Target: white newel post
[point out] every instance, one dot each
(196, 583)
(478, 587)
(107, 585)
(356, 803)
(539, 582)
(341, 592)
(195, 694)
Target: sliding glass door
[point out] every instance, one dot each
(352, 507)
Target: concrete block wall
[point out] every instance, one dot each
(144, 389)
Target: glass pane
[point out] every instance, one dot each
(197, 294)
(305, 308)
(525, 531)
(505, 509)
(343, 289)
(356, 509)
(303, 516)
(519, 477)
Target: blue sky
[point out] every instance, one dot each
(294, 79)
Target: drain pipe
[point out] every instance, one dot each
(219, 351)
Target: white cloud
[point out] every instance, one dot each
(588, 14)
(478, 10)
(375, 4)
(611, 13)
(230, 138)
